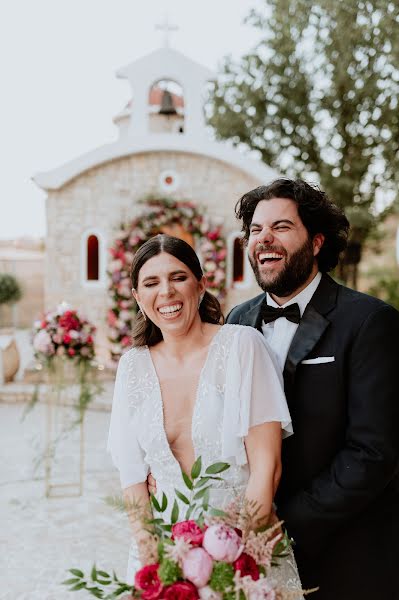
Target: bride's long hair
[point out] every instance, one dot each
(144, 331)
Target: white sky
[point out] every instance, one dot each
(59, 91)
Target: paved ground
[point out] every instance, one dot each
(40, 538)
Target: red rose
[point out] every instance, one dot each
(89, 340)
(67, 338)
(71, 352)
(148, 582)
(43, 324)
(247, 566)
(126, 341)
(189, 531)
(181, 590)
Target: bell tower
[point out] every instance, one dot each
(168, 93)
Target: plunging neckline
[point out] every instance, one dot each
(196, 395)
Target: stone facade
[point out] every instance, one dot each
(99, 199)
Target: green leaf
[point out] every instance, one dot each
(205, 499)
(96, 592)
(216, 512)
(78, 586)
(190, 511)
(164, 503)
(175, 513)
(187, 480)
(203, 480)
(76, 572)
(201, 493)
(104, 574)
(70, 581)
(155, 522)
(182, 497)
(93, 573)
(218, 467)
(196, 468)
(155, 503)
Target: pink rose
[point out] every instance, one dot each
(189, 531)
(222, 543)
(197, 566)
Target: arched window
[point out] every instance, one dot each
(92, 258)
(239, 272)
(238, 261)
(92, 268)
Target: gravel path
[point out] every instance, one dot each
(40, 538)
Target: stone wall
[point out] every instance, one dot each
(108, 194)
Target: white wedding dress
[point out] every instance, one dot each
(239, 387)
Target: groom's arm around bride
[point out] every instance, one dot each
(339, 489)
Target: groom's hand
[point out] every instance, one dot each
(151, 484)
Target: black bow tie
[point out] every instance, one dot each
(291, 312)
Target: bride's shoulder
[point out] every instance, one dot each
(134, 355)
(243, 332)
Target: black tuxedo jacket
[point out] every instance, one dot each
(339, 492)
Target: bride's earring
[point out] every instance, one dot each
(140, 307)
(142, 311)
(200, 299)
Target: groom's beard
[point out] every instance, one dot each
(297, 270)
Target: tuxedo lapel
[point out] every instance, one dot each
(312, 326)
(253, 316)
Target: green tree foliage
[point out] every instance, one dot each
(10, 290)
(317, 98)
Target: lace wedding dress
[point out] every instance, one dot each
(239, 387)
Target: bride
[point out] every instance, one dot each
(190, 387)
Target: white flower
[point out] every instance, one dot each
(74, 334)
(115, 265)
(125, 315)
(207, 593)
(42, 342)
(178, 550)
(61, 308)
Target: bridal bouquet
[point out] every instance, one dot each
(210, 554)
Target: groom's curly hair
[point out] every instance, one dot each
(144, 331)
(317, 212)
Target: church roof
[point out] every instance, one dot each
(168, 61)
(223, 151)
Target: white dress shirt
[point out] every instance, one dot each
(279, 333)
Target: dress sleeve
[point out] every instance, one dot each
(123, 445)
(254, 392)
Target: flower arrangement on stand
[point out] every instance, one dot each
(158, 214)
(63, 343)
(211, 554)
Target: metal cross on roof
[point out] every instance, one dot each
(166, 27)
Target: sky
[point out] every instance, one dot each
(58, 60)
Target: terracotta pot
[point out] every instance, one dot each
(9, 358)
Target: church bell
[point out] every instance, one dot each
(167, 107)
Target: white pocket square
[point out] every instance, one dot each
(319, 360)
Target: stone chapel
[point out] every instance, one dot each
(163, 149)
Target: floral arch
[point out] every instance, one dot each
(180, 218)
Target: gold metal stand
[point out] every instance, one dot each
(57, 432)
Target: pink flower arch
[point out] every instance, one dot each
(157, 214)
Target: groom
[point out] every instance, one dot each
(338, 348)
